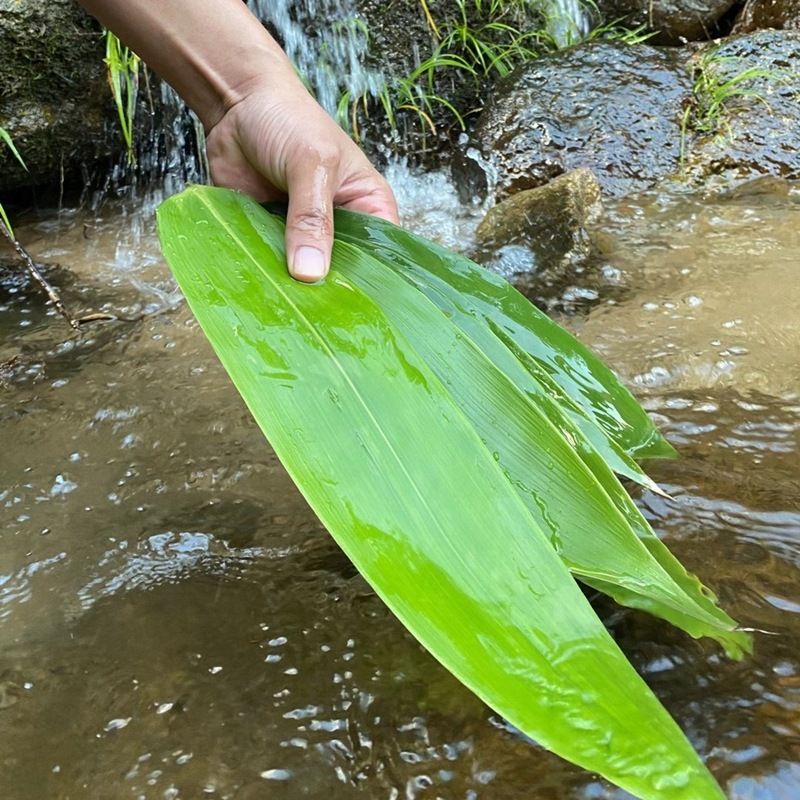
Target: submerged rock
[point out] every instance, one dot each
(758, 132)
(672, 21)
(540, 240)
(550, 220)
(757, 14)
(613, 108)
(768, 188)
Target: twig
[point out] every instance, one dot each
(36, 273)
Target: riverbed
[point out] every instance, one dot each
(175, 622)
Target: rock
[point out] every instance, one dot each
(55, 100)
(540, 240)
(757, 14)
(768, 188)
(672, 21)
(550, 220)
(759, 132)
(613, 108)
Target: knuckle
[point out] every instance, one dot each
(320, 155)
(329, 159)
(314, 221)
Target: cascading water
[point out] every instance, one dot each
(567, 21)
(327, 42)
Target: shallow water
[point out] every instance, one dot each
(174, 622)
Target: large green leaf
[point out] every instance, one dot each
(593, 537)
(580, 373)
(404, 483)
(591, 520)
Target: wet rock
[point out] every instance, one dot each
(765, 187)
(759, 131)
(396, 32)
(612, 108)
(757, 14)
(540, 240)
(672, 21)
(55, 99)
(550, 220)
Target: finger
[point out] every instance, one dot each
(375, 198)
(309, 220)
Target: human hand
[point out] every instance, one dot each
(266, 135)
(275, 143)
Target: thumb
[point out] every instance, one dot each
(309, 221)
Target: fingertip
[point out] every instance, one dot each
(308, 264)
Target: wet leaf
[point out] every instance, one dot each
(596, 525)
(581, 375)
(400, 477)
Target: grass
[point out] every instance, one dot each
(615, 31)
(123, 77)
(5, 137)
(489, 37)
(484, 41)
(713, 91)
(415, 93)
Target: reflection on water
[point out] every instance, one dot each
(174, 623)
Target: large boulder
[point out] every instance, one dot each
(671, 21)
(758, 132)
(757, 14)
(54, 98)
(613, 108)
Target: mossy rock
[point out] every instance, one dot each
(758, 133)
(54, 98)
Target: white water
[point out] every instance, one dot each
(567, 20)
(327, 42)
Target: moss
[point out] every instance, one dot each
(55, 100)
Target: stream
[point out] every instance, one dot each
(175, 623)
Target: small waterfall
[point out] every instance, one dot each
(568, 21)
(327, 42)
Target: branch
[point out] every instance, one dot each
(37, 275)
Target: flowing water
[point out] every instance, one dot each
(568, 21)
(175, 623)
(329, 56)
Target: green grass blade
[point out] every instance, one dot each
(6, 221)
(576, 369)
(9, 142)
(404, 483)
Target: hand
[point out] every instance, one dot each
(266, 135)
(276, 143)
